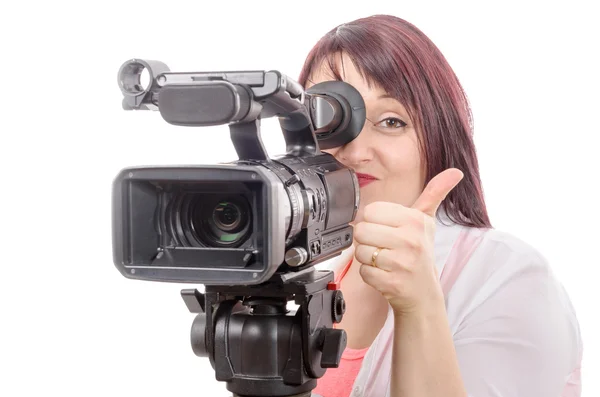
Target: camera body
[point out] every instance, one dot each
(237, 223)
(231, 223)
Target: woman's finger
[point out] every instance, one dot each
(382, 236)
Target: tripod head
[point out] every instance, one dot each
(258, 347)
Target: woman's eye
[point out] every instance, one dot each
(392, 122)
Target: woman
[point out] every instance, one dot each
(438, 302)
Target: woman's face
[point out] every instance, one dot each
(385, 155)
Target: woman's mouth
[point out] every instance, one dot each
(364, 179)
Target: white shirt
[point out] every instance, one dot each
(515, 331)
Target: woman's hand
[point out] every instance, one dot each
(404, 270)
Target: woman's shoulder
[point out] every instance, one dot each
(508, 287)
(505, 269)
(493, 263)
(479, 254)
(495, 250)
(511, 242)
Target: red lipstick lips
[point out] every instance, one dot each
(364, 179)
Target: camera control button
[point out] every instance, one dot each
(296, 256)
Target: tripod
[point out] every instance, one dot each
(257, 346)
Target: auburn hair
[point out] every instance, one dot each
(395, 55)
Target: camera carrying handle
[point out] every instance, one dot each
(330, 113)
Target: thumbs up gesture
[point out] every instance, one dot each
(394, 244)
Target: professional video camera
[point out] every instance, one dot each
(250, 230)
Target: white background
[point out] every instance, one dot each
(73, 326)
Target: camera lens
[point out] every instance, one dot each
(209, 220)
(227, 216)
(220, 222)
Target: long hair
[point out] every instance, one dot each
(393, 54)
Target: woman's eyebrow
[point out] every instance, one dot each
(397, 104)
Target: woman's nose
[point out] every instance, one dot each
(357, 152)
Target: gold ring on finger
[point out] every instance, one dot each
(374, 257)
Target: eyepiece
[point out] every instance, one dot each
(339, 113)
